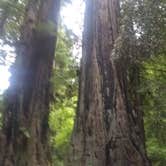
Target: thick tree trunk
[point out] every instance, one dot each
(108, 128)
(24, 139)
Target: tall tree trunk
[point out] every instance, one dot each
(24, 139)
(108, 129)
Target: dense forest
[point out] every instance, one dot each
(107, 108)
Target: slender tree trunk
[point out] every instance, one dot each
(108, 129)
(24, 139)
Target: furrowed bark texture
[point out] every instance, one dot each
(108, 128)
(24, 141)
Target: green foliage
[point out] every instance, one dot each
(149, 19)
(143, 38)
(156, 152)
(64, 89)
(45, 28)
(154, 91)
(64, 80)
(11, 16)
(61, 124)
(2, 105)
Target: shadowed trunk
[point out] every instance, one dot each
(24, 138)
(108, 127)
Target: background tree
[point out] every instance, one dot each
(148, 18)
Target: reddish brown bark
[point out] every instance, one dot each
(108, 129)
(25, 131)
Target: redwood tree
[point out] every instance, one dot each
(24, 138)
(108, 127)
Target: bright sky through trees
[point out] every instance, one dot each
(72, 17)
(4, 76)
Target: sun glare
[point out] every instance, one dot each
(72, 17)
(4, 78)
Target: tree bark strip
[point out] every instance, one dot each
(108, 130)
